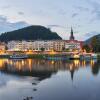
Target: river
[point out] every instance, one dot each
(36, 79)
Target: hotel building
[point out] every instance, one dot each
(48, 45)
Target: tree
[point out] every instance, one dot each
(63, 49)
(42, 49)
(95, 44)
(86, 47)
(67, 50)
(30, 33)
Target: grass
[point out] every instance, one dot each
(37, 56)
(4, 56)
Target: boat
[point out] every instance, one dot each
(74, 57)
(94, 56)
(56, 57)
(89, 56)
(18, 56)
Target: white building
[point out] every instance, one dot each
(37, 45)
(30, 45)
(2, 46)
(47, 45)
(17, 45)
(73, 45)
(59, 45)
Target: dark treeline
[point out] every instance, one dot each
(30, 33)
(93, 44)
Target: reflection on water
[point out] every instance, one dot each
(32, 66)
(49, 80)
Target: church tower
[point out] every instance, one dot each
(72, 36)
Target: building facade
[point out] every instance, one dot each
(30, 45)
(73, 45)
(2, 46)
(47, 45)
(58, 45)
(17, 45)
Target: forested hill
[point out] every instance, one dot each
(94, 42)
(30, 33)
(96, 37)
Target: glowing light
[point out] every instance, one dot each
(52, 62)
(1, 63)
(92, 63)
(30, 64)
(76, 56)
(71, 67)
(23, 63)
(76, 62)
(84, 63)
(52, 52)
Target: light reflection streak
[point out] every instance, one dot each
(43, 65)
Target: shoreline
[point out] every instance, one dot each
(39, 56)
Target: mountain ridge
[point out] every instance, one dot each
(88, 41)
(34, 32)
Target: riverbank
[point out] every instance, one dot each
(40, 56)
(37, 56)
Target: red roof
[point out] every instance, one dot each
(76, 41)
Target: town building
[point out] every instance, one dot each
(2, 46)
(58, 45)
(70, 45)
(17, 45)
(30, 45)
(73, 45)
(38, 45)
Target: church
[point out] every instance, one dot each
(73, 45)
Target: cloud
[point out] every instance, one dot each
(57, 26)
(6, 7)
(90, 34)
(95, 9)
(82, 8)
(6, 26)
(74, 15)
(62, 12)
(21, 13)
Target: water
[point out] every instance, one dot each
(49, 80)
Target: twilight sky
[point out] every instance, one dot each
(59, 15)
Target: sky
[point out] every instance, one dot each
(58, 15)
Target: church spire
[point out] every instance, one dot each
(71, 36)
